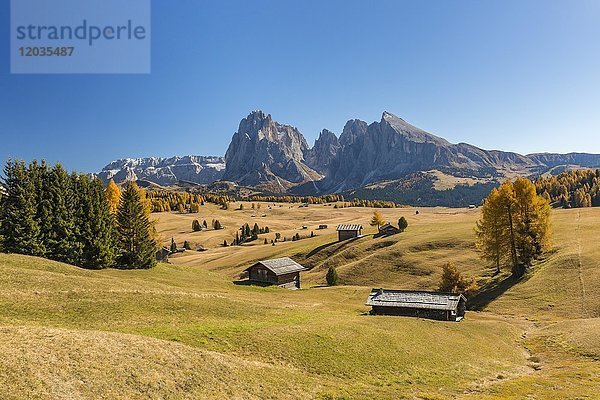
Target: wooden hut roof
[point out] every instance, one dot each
(414, 299)
(349, 227)
(388, 226)
(280, 266)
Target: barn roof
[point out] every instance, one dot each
(349, 227)
(280, 266)
(414, 299)
(388, 226)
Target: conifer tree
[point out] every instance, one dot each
(196, 225)
(332, 276)
(56, 212)
(377, 219)
(173, 246)
(136, 246)
(18, 226)
(514, 226)
(95, 225)
(402, 224)
(453, 281)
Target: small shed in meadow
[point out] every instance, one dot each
(283, 272)
(422, 304)
(349, 231)
(388, 229)
(162, 255)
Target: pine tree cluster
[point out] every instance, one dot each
(47, 212)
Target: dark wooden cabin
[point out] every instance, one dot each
(421, 304)
(162, 255)
(349, 231)
(283, 272)
(388, 229)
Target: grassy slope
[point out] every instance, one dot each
(188, 332)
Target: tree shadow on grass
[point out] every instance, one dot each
(493, 290)
(342, 244)
(247, 282)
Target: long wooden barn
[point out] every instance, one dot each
(433, 305)
(283, 272)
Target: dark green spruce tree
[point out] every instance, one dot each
(137, 249)
(56, 215)
(96, 231)
(19, 229)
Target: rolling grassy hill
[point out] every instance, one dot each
(184, 330)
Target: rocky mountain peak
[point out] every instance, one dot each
(265, 151)
(323, 152)
(353, 129)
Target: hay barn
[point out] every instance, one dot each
(421, 304)
(283, 272)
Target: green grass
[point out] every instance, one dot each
(186, 331)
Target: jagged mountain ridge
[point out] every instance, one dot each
(166, 171)
(364, 154)
(274, 157)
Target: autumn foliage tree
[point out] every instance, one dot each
(377, 219)
(514, 228)
(113, 194)
(453, 281)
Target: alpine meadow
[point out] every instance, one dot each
(417, 219)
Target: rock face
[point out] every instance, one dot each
(166, 171)
(392, 148)
(267, 154)
(324, 152)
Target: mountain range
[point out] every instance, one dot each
(390, 159)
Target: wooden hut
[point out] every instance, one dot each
(433, 305)
(388, 229)
(283, 272)
(162, 255)
(349, 231)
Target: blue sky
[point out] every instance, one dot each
(513, 75)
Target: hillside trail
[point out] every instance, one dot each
(580, 267)
(531, 366)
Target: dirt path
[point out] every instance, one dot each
(580, 267)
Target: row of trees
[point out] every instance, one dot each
(47, 212)
(246, 233)
(183, 202)
(215, 224)
(326, 199)
(571, 189)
